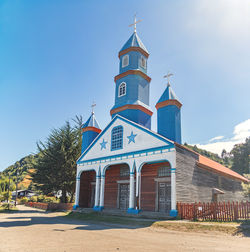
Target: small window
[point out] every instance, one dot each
(164, 171)
(124, 171)
(125, 61)
(116, 138)
(122, 89)
(143, 62)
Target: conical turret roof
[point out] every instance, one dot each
(168, 94)
(91, 122)
(134, 41)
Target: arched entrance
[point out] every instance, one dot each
(87, 189)
(156, 187)
(117, 187)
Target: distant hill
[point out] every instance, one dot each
(23, 166)
(226, 160)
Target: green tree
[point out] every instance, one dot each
(55, 169)
(241, 157)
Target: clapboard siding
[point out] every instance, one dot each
(194, 184)
(148, 185)
(111, 186)
(85, 188)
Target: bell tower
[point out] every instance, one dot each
(132, 83)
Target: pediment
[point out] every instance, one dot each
(135, 138)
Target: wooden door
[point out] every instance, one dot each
(164, 197)
(124, 196)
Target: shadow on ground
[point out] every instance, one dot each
(45, 219)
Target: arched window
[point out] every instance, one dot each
(122, 89)
(164, 171)
(125, 60)
(116, 138)
(143, 62)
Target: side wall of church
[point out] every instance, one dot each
(194, 184)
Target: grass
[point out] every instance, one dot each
(4, 208)
(231, 228)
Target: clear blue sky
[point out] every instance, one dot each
(57, 56)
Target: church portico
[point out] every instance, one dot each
(122, 185)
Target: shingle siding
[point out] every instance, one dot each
(194, 184)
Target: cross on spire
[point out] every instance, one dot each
(93, 106)
(168, 77)
(135, 22)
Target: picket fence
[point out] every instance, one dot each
(219, 211)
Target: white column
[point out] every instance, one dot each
(173, 211)
(77, 193)
(132, 191)
(97, 191)
(102, 191)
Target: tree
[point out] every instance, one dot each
(55, 169)
(241, 157)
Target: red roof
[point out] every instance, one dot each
(209, 164)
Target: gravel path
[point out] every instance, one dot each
(34, 230)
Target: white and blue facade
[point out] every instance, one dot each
(128, 141)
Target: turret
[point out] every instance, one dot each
(169, 115)
(132, 83)
(90, 130)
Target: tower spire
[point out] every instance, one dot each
(93, 106)
(135, 22)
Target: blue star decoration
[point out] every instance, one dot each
(103, 144)
(131, 138)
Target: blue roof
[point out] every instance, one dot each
(168, 94)
(134, 41)
(91, 122)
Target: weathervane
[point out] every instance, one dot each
(93, 106)
(134, 24)
(168, 77)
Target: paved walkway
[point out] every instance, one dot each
(33, 230)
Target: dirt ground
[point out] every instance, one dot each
(35, 230)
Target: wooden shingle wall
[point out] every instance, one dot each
(194, 184)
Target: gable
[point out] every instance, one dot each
(135, 138)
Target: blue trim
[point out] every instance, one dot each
(128, 153)
(75, 207)
(97, 209)
(132, 173)
(112, 149)
(173, 213)
(133, 211)
(116, 117)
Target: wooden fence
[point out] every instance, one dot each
(220, 211)
(50, 206)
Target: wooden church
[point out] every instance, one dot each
(129, 167)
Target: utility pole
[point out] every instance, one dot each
(16, 186)
(8, 200)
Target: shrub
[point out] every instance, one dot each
(24, 200)
(40, 198)
(50, 200)
(33, 199)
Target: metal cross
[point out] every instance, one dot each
(135, 22)
(168, 77)
(93, 106)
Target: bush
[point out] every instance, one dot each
(50, 200)
(24, 200)
(40, 198)
(33, 199)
